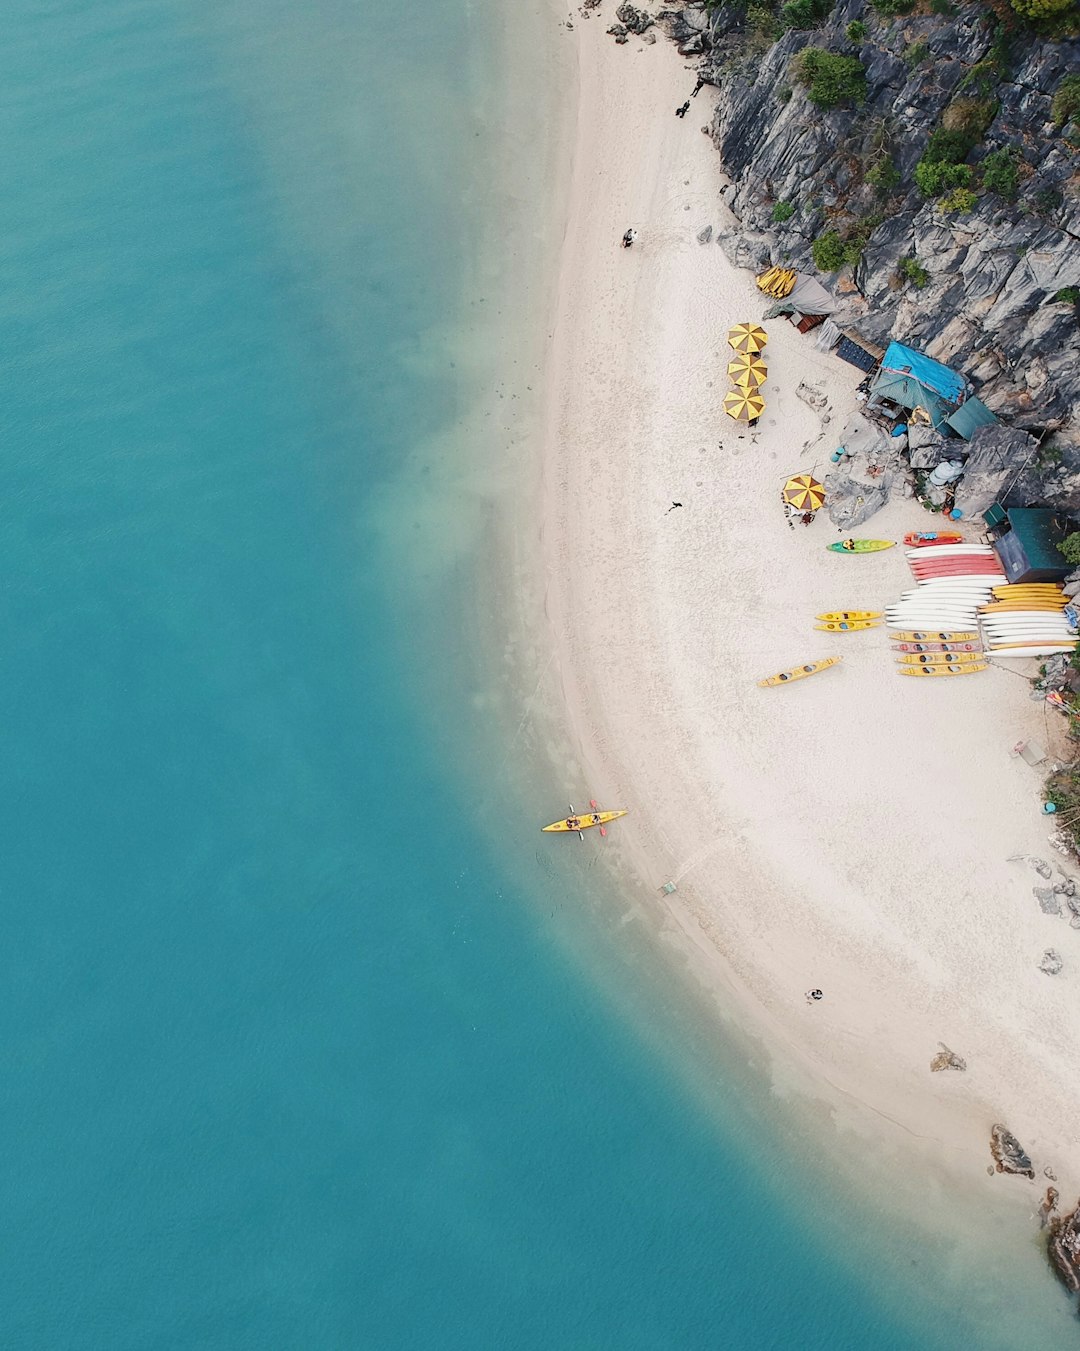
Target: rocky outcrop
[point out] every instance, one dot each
(979, 288)
(947, 1060)
(1051, 963)
(1064, 1246)
(1009, 1154)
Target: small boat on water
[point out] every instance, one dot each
(848, 626)
(959, 668)
(799, 673)
(924, 539)
(582, 821)
(860, 546)
(846, 616)
(944, 636)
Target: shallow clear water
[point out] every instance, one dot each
(292, 1054)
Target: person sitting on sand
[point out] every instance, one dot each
(849, 545)
(807, 518)
(628, 238)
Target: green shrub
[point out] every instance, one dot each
(783, 94)
(832, 79)
(761, 20)
(960, 199)
(949, 145)
(1001, 174)
(968, 118)
(884, 176)
(1066, 101)
(804, 13)
(982, 79)
(913, 271)
(890, 8)
(781, 212)
(1069, 548)
(1047, 200)
(856, 30)
(1041, 9)
(934, 179)
(1070, 295)
(943, 7)
(828, 251)
(916, 53)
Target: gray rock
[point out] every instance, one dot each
(705, 235)
(634, 20)
(1051, 962)
(947, 1060)
(1009, 1154)
(1042, 867)
(1049, 900)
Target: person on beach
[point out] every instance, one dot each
(697, 88)
(683, 110)
(812, 996)
(628, 238)
(849, 545)
(807, 518)
(753, 422)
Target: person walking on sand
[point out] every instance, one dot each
(682, 111)
(697, 88)
(628, 238)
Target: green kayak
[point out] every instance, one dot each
(861, 546)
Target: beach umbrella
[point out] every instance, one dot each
(748, 370)
(744, 404)
(747, 338)
(804, 493)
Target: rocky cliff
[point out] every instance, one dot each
(938, 188)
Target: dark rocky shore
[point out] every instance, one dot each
(925, 165)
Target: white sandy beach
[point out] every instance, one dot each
(853, 831)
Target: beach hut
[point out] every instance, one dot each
(911, 381)
(1026, 540)
(858, 351)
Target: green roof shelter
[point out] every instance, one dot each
(1027, 544)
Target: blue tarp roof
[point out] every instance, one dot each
(929, 373)
(971, 415)
(906, 391)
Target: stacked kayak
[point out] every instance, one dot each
(938, 618)
(1027, 620)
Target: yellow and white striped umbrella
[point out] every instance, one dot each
(748, 370)
(744, 404)
(747, 338)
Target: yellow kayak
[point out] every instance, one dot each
(958, 668)
(1021, 588)
(585, 821)
(842, 616)
(947, 636)
(849, 626)
(938, 658)
(800, 672)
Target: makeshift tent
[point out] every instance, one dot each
(911, 380)
(1028, 543)
(806, 299)
(969, 417)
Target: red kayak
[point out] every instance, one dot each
(922, 539)
(957, 565)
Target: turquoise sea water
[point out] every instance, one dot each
(293, 1055)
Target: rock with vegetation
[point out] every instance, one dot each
(1009, 1154)
(947, 1060)
(1064, 1245)
(931, 159)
